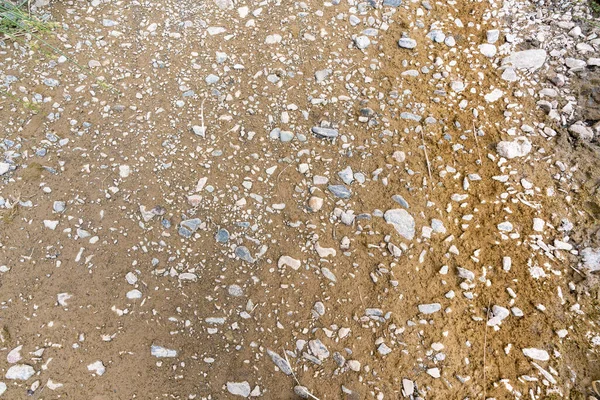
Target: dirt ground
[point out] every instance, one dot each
(118, 135)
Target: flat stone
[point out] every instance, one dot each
(429, 308)
(4, 168)
(189, 226)
(536, 354)
(340, 191)
(402, 221)
(328, 133)
(222, 236)
(243, 253)
(526, 59)
(407, 43)
(392, 3)
(162, 352)
(20, 372)
(239, 388)
(280, 362)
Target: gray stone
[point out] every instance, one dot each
(400, 200)
(410, 116)
(329, 133)
(346, 175)
(188, 227)
(392, 3)
(59, 206)
(340, 191)
(243, 253)
(383, 349)
(235, 291)
(280, 362)
(318, 349)
(222, 236)
(239, 388)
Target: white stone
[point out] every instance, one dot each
(97, 367)
(402, 221)
(162, 352)
(288, 261)
(20, 372)
(526, 59)
(488, 50)
(4, 167)
(519, 147)
(536, 354)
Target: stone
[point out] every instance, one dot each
(235, 291)
(321, 75)
(429, 308)
(408, 387)
(575, 64)
(340, 191)
(498, 314)
(407, 43)
(526, 59)
(97, 367)
(492, 36)
(465, 274)
(239, 388)
(243, 254)
(488, 50)
(591, 259)
(288, 261)
(58, 206)
(4, 168)
(315, 203)
(189, 226)
(318, 349)
(402, 221)
(222, 236)
(362, 42)
(20, 372)
(328, 133)
(383, 349)
(280, 362)
(302, 392)
(392, 3)
(518, 147)
(162, 352)
(582, 132)
(536, 354)
(346, 175)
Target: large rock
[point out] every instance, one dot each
(402, 221)
(526, 59)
